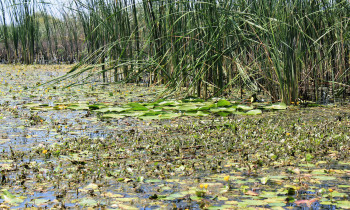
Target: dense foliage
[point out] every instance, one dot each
(288, 49)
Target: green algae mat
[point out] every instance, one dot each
(119, 147)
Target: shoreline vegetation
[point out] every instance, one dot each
(290, 50)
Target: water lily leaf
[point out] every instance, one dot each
(206, 107)
(88, 202)
(113, 109)
(279, 177)
(174, 196)
(223, 114)
(254, 112)
(170, 108)
(153, 113)
(168, 115)
(223, 102)
(196, 198)
(343, 204)
(278, 106)
(239, 113)
(231, 109)
(30, 105)
(277, 204)
(132, 114)
(244, 107)
(254, 202)
(10, 198)
(134, 104)
(91, 186)
(149, 117)
(96, 106)
(218, 109)
(39, 201)
(153, 181)
(139, 108)
(112, 195)
(200, 193)
(115, 116)
(188, 108)
(169, 103)
(123, 206)
(196, 114)
(318, 172)
(324, 178)
(337, 194)
(78, 107)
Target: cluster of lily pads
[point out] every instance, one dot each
(165, 109)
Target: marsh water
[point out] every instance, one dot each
(118, 146)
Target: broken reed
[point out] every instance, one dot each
(289, 49)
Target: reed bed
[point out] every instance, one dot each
(290, 50)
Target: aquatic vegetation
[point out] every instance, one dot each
(74, 157)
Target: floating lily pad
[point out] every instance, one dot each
(343, 204)
(11, 198)
(254, 112)
(244, 107)
(324, 178)
(223, 102)
(254, 202)
(115, 116)
(88, 202)
(113, 109)
(278, 106)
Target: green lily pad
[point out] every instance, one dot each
(112, 109)
(343, 204)
(218, 109)
(254, 112)
(169, 103)
(78, 107)
(115, 116)
(188, 108)
(88, 202)
(223, 102)
(196, 114)
(10, 198)
(223, 114)
(39, 201)
(139, 108)
(244, 107)
(254, 202)
(168, 115)
(96, 106)
(324, 178)
(153, 181)
(278, 106)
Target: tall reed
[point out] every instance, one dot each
(288, 49)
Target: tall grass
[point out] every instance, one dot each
(31, 34)
(288, 49)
